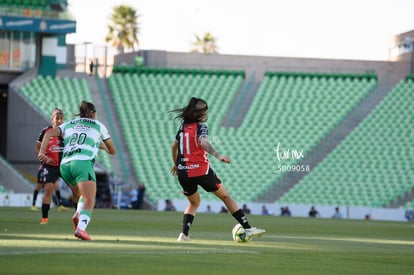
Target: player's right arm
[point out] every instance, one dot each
(39, 140)
(38, 144)
(174, 154)
(37, 147)
(42, 150)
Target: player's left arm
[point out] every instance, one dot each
(108, 146)
(106, 143)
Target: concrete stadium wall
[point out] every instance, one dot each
(12, 180)
(353, 212)
(390, 72)
(23, 126)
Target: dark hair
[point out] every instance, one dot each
(193, 112)
(86, 109)
(56, 112)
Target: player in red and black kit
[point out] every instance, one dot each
(48, 173)
(190, 151)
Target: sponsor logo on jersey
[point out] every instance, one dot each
(188, 167)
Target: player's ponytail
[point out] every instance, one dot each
(86, 109)
(193, 112)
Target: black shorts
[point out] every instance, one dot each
(48, 174)
(210, 182)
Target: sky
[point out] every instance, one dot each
(333, 29)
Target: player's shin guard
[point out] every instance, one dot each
(187, 222)
(45, 210)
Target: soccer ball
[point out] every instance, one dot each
(239, 234)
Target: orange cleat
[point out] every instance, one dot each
(81, 234)
(44, 221)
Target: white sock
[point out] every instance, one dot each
(84, 219)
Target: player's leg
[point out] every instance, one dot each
(47, 198)
(232, 206)
(77, 200)
(189, 214)
(39, 187)
(51, 176)
(75, 194)
(237, 212)
(86, 183)
(193, 196)
(88, 192)
(212, 183)
(70, 180)
(194, 203)
(61, 207)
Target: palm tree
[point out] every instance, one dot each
(123, 28)
(206, 45)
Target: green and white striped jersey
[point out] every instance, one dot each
(82, 137)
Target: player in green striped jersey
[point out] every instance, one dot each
(83, 137)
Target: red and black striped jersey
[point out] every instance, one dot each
(54, 148)
(192, 159)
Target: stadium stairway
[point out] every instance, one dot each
(241, 103)
(121, 164)
(330, 141)
(408, 198)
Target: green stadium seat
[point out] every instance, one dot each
(372, 160)
(46, 93)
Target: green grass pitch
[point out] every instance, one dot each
(144, 242)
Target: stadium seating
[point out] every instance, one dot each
(294, 110)
(47, 93)
(373, 165)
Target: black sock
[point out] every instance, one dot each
(45, 210)
(59, 198)
(35, 192)
(55, 201)
(187, 222)
(241, 218)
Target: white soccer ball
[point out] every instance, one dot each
(239, 234)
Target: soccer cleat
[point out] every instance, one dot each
(34, 208)
(62, 208)
(183, 238)
(81, 234)
(75, 220)
(254, 232)
(44, 221)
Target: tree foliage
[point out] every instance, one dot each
(206, 44)
(123, 28)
